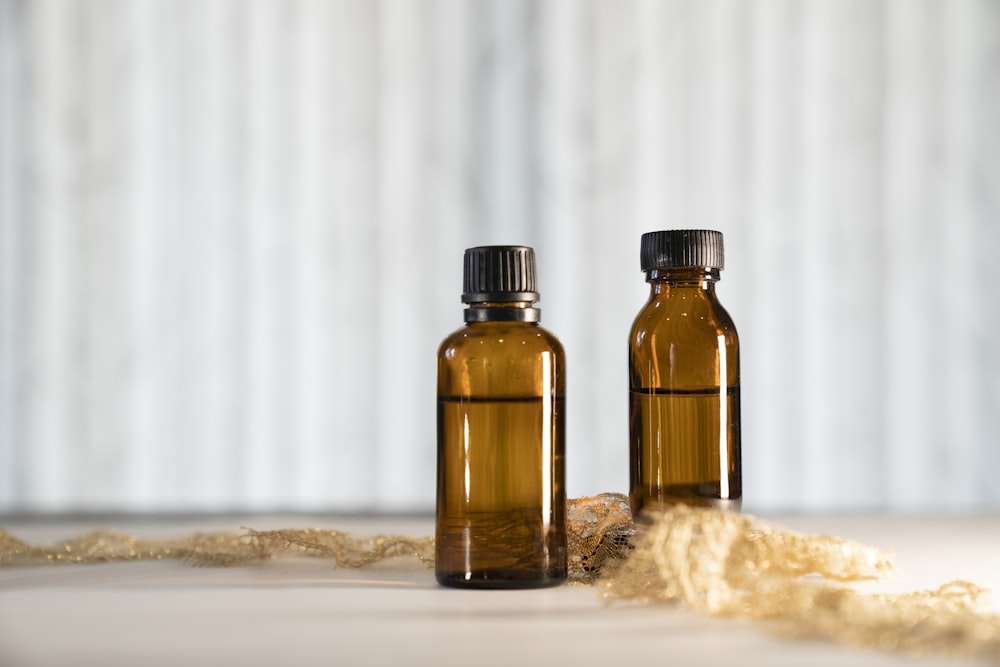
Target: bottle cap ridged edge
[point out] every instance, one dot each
(499, 274)
(679, 248)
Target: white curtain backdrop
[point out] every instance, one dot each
(231, 237)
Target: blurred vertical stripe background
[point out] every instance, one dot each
(231, 237)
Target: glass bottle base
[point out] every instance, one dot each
(681, 495)
(497, 579)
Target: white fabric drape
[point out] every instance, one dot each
(231, 237)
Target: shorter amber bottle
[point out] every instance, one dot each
(501, 502)
(684, 379)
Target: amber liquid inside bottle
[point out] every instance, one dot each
(501, 499)
(684, 396)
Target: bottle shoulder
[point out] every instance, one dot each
(501, 358)
(516, 337)
(683, 315)
(683, 343)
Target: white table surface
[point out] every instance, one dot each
(305, 612)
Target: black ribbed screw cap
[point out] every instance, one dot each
(500, 273)
(679, 248)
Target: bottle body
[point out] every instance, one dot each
(501, 502)
(684, 396)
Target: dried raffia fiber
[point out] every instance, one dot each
(726, 564)
(600, 530)
(223, 549)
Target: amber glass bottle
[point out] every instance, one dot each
(684, 379)
(501, 500)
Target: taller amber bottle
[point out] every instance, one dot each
(501, 500)
(684, 379)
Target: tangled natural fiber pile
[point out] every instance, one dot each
(726, 564)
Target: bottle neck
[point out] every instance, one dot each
(695, 277)
(503, 311)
